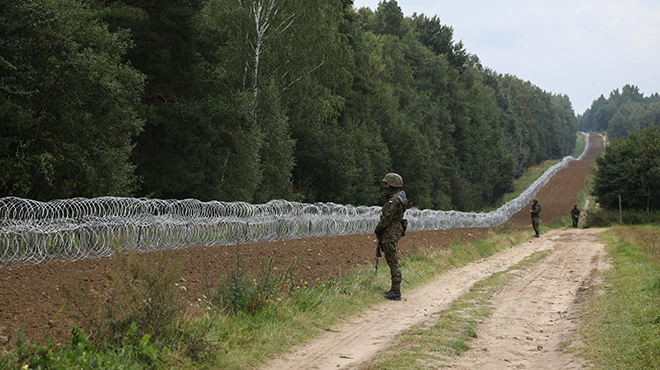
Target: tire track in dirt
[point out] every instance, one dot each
(536, 317)
(348, 345)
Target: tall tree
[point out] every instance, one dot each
(275, 50)
(68, 103)
(616, 111)
(196, 124)
(389, 19)
(440, 39)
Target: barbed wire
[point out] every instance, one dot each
(33, 232)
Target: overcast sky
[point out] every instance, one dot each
(579, 48)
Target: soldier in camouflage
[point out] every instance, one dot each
(535, 211)
(575, 215)
(390, 229)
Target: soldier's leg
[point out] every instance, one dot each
(535, 224)
(391, 250)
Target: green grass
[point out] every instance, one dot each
(579, 146)
(585, 192)
(136, 354)
(599, 217)
(533, 174)
(622, 326)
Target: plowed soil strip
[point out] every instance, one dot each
(550, 291)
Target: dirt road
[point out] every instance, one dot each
(534, 320)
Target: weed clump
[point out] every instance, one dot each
(237, 293)
(141, 298)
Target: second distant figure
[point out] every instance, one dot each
(535, 211)
(575, 215)
(391, 228)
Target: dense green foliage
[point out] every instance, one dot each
(621, 113)
(135, 353)
(68, 103)
(631, 168)
(260, 99)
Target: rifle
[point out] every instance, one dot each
(378, 255)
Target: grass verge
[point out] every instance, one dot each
(622, 326)
(534, 173)
(599, 217)
(585, 192)
(579, 146)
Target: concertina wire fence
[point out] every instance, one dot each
(33, 232)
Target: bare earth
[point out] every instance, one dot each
(541, 305)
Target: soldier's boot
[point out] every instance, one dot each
(395, 287)
(393, 295)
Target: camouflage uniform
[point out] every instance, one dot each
(536, 210)
(575, 216)
(389, 230)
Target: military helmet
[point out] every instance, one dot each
(394, 180)
(535, 200)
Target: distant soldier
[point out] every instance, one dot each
(535, 211)
(391, 228)
(575, 215)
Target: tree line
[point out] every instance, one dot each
(630, 168)
(252, 100)
(622, 112)
(630, 164)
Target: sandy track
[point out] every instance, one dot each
(535, 318)
(531, 325)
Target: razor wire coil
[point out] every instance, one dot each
(33, 232)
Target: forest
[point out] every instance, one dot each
(253, 100)
(623, 112)
(629, 168)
